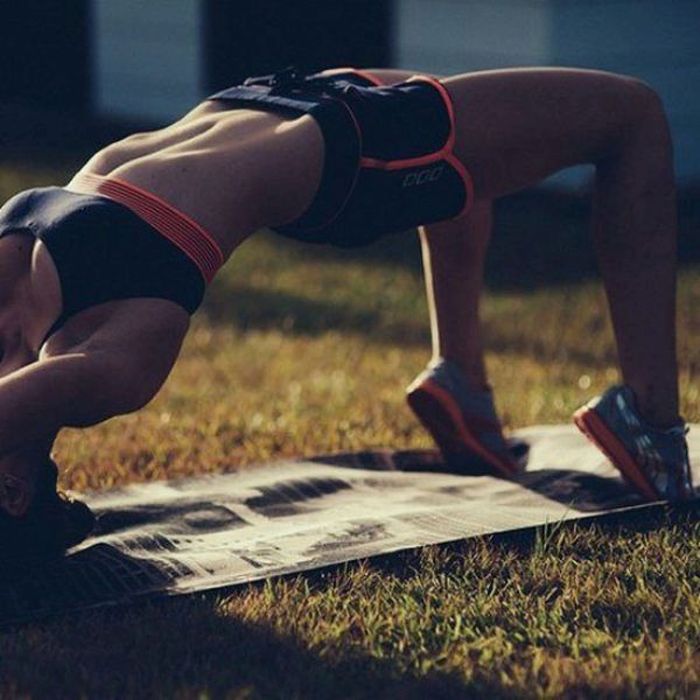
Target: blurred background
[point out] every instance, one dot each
(147, 62)
(79, 73)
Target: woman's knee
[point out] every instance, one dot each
(637, 122)
(647, 107)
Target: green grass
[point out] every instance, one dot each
(301, 351)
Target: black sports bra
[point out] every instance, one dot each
(102, 250)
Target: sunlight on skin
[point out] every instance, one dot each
(296, 354)
(228, 401)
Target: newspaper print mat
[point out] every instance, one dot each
(171, 538)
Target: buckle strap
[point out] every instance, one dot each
(290, 76)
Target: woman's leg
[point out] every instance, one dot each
(453, 261)
(515, 127)
(452, 397)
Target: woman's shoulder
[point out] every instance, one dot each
(138, 329)
(138, 339)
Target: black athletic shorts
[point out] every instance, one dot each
(389, 163)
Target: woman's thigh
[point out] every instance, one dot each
(517, 126)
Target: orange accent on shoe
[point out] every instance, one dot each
(595, 429)
(427, 401)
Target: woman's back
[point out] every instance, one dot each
(232, 171)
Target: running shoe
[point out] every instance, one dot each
(463, 422)
(53, 523)
(655, 462)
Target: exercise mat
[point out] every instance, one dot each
(178, 537)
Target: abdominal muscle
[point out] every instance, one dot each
(232, 171)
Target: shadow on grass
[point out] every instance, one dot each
(186, 648)
(541, 238)
(540, 241)
(247, 309)
(499, 341)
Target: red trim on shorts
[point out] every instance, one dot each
(377, 164)
(362, 73)
(445, 153)
(177, 227)
(450, 156)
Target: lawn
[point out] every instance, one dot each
(299, 350)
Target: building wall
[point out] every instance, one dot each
(246, 38)
(44, 53)
(456, 36)
(147, 58)
(153, 60)
(656, 40)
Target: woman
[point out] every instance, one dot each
(98, 279)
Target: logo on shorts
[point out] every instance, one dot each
(421, 177)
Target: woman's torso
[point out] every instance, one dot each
(231, 170)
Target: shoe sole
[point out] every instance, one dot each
(441, 416)
(596, 430)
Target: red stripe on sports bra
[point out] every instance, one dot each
(180, 229)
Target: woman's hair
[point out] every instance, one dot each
(52, 524)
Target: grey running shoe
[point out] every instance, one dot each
(655, 462)
(463, 422)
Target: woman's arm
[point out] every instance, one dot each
(116, 370)
(74, 390)
(78, 389)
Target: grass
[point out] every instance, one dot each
(301, 351)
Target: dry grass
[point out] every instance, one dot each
(298, 351)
